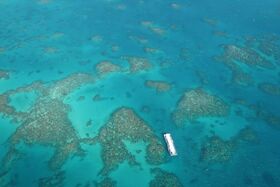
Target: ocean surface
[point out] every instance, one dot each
(88, 88)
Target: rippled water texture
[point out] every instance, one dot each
(88, 88)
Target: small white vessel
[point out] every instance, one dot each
(170, 144)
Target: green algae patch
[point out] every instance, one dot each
(199, 103)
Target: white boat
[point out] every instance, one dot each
(170, 144)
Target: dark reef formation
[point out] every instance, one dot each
(164, 179)
(124, 124)
(199, 103)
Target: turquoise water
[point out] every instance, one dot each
(87, 86)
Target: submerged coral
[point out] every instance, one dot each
(164, 179)
(247, 56)
(5, 108)
(217, 150)
(46, 122)
(107, 182)
(247, 134)
(270, 118)
(185, 54)
(153, 28)
(124, 124)
(54, 180)
(270, 47)
(261, 113)
(239, 76)
(269, 88)
(254, 54)
(61, 88)
(198, 103)
(105, 67)
(210, 21)
(4, 74)
(137, 64)
(151, 50)
(159, 86)
(2, 50)
(96, 38)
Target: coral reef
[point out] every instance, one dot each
(107, 182)
(210, 21)
(153, 28)
(47, 123)
(217, 150)
(137, 64)
(9, 159)
(239, 76)
(4, 74)
(151, 50)
(185, 54)
(247, 134)
(164, 179)
(138, 39)
(271, 119)
(105, 67)
(50, 50)
(44, 2)
(55, 180)
(159, 86)
(269, 47)
(198, 103)
(96, 38)
(247, 56)
(220, 33)
(202, 77)
(61, 88)
(269, 88)
(255, 53)
(5, 108)
(124, 124)
(2, 50)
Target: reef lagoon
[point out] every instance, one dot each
(88, 88)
